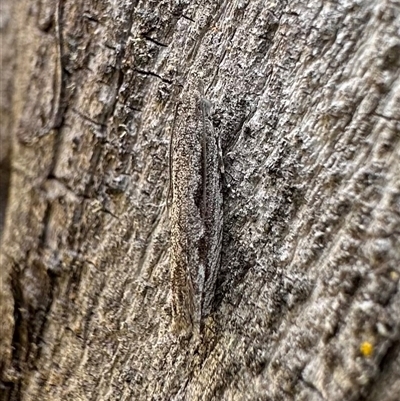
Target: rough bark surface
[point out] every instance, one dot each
(306, 100)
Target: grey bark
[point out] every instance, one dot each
(306, 101)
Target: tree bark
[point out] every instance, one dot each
(305, 99)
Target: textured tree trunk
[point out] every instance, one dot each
(305, 99)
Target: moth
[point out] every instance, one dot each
(195, 212)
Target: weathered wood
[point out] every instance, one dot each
(306, 102)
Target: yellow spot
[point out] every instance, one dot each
(366, 348)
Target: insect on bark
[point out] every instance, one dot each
(196, 211)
